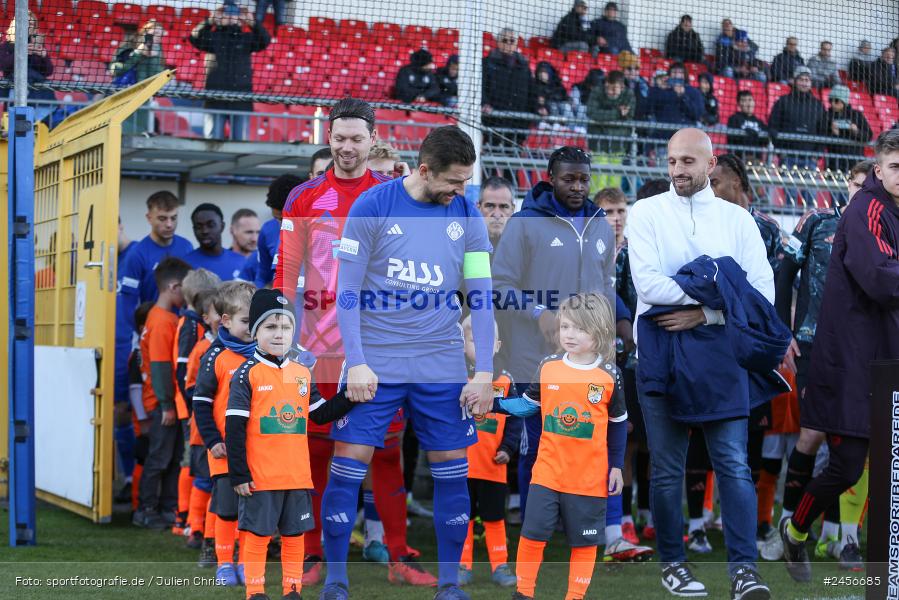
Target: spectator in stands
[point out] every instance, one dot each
(844, 122)
(675, 101)
(707, 89)
(629, 64)
(138, 58)
(755, 132)
(882, 78)
(244, 231)
(683, 43)
(496, 203)
(279, 8)
(229, 66)
(581, 91)
(613, 102)
(799, 112)
(40, 67)
(739, 60)
(507, 86)
(417, 82)
(574, 30)
(860, 63)
(447, 77)
(550, 97)
(610, 33)
(785, 63)
(824, 69)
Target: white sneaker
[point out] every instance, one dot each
(679, 581)
(772, 548)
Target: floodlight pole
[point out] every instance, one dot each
(471, 44)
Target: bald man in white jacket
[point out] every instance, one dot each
(665, 232)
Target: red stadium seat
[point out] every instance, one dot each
(91, 10)
(882, 102)
(353, 25)
(128, 14)
(195, 13)
(165, 14)
(319, 24)
(418, 30)
(382, 31)
(606, 62)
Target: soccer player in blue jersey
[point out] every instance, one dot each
(209, 224)
(137, 284)
(408, 245)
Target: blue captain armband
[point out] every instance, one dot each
(517, 407)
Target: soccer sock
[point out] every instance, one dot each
(451, 507)
(320, 450)
(613, 511)
(627, 500)
(196, 516)
(527, 564)
(697, 524)
(468, 548)
(799, 473)
(225, 533)
(124, 441)
(580, 571)
(339, 507)
(830, 530)
(241, 536)
(374, 529)
(495, 532)
(292, 549)
(766, 488)
(209, 526)
(696, 485)
(185, 483)
(389, 491)
(799, 536)
(708, 502)
(852, 506)
(613, 532)
(135, 486)
(254, 548)
(645, 514)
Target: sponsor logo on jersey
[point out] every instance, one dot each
(556, 243)
(454, 231)
(349, 246)
(395, 230)
(305, 516)
(567, 420)
(589, 532)
(265, 388)
(594, 393)
(288, 420)
(486, 424)
(552, 386)
(337, 518)
(411, 271)
(470, 431)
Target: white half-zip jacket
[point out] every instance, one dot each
(667, 231)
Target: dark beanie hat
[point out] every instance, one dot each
(267, 302)
(421, 58)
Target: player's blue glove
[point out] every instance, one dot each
(518, 407)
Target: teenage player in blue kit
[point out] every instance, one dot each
(407, 246)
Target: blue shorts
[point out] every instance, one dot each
(431, 405)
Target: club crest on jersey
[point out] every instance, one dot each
(594, 393)
(600, 246)
(414, 272)
(499, 391)
(454, 231)
(302, 385)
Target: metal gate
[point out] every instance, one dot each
(76, 209)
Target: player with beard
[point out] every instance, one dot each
(665, 233)
(311, 227)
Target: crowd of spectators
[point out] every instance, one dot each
(683, 94)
